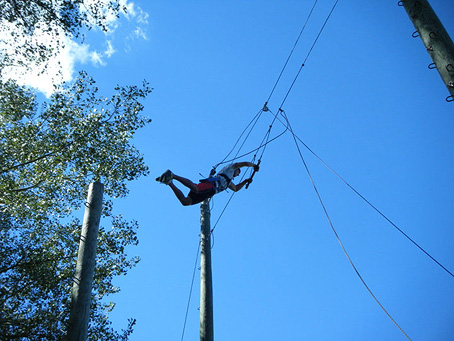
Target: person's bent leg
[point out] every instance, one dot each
(186, 182)
(185, 201)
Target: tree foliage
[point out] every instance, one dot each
(48, 155)
(33, 29)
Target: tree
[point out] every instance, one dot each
(48, 156)
(32, 31)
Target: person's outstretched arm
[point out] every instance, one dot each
(246, 164)
(236, 188)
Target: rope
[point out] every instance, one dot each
(274, 87)
(336, 234)
(309, 53)
(367, 201)
(267, 136)
(223, 210)
(288, 127)
(291, 52)
(253, 122)
(263, 144)
(190, 292)
(258, 115)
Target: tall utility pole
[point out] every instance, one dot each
(86, 260)
(206, 288)
(435, 39)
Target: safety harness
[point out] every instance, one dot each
(216, 183)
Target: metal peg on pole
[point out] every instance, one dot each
(437, 41)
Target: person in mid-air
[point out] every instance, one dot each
(207, 187)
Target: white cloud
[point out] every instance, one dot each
(110, 49)
(61, 67)
(140, 33)
(97, 60)
(130, 9)
(141, 16)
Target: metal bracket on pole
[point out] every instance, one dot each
(436, 40)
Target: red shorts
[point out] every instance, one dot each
(206, 190)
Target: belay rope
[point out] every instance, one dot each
(260, 149)
(265, 107)
(266, 140)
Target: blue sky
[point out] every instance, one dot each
(365, 102)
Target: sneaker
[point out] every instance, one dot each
(166, 177)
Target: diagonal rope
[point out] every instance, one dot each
(266, 138)
(190, 292)
(253, 150)
(253, 122)
(336, 234)
(291, 52)
(367, 201)
(309, 53)
(258, 115)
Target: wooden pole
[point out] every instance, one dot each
(206, 288)
(86, 260)
(437, 41)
